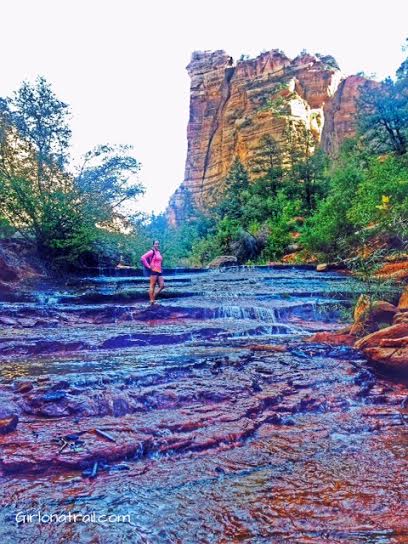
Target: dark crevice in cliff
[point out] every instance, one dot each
(328, 132)
(225, 95)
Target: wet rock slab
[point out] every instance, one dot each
(208, 418)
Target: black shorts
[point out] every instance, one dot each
(157, 274)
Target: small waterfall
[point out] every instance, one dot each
(269, 318)
(47, 299)
(238, 312)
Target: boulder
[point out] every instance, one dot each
(388, 346)
(403, 301)
(382, 311)
(293, 247)
(23, 387)
(374, 339)
(369, 316)
(290, 258)
(96, 259)
(8, 424)
(338, 266)
(400, 317)
(19, 262)
(397, 271)
(394, 358)
(223, 260)
(245, 246)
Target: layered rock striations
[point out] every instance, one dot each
(340, 113)
(230, 113)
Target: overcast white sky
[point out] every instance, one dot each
(121, 64)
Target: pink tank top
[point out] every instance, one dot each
(154, 258)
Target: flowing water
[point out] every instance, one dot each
(220, 422)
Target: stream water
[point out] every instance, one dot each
(220, 422)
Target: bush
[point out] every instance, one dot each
(6, 230)
(330, 232)
(280, 226)
(381, 200)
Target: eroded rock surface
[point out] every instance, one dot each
(207, 415)
(19, 263)
(230, 114)
(380, 330)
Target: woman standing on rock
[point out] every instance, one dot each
(152, 261)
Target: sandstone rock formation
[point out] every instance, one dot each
(230, 113)
(369, 315)
(8, 424)
(403, 301)
(18, 264)
(340, 114)
(224, 260)
(396, 271)
(387, 346)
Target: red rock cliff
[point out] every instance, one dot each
(228, 117)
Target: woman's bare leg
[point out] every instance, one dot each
(153, 280)
(161, 285)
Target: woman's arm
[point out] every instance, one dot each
(146, 256)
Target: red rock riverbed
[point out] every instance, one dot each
(206, 419)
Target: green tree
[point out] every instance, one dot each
(329, 232)
(307, 180)
(34, 139)
(266, 164)
(380, 204)
(383, 115)
(107, 178)
(66, 215)
(235, 186)
(279, 226)
(304, 176)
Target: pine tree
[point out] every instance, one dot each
(267, 164)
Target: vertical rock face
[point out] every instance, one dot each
(340, 114)
(230, 113)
